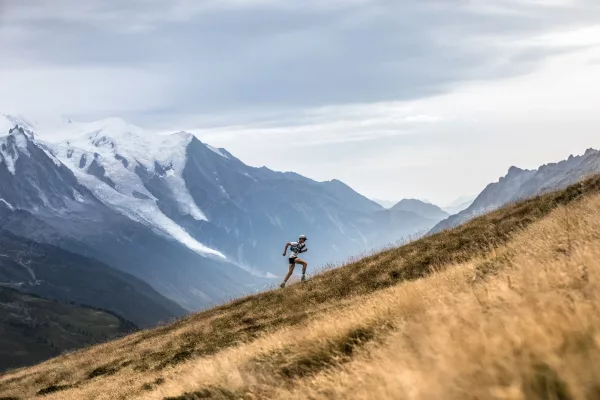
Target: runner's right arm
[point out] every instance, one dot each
(286, 247)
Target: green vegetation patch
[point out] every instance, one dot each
(53, 389)
(213, 393)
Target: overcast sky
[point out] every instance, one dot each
(430, 99)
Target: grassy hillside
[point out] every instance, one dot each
(514, 318)
(33, 329)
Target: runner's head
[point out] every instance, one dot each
(302, 239)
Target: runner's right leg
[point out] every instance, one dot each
(290, 272)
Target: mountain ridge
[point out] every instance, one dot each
(421, 208)
(519, 184)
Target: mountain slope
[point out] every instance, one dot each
(421, 208)
(520, 184)
(292, 342)
(56, 274)
(33, 329)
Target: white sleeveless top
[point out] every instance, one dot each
(296, 248)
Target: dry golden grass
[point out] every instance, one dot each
(515, 318)
(530, 331)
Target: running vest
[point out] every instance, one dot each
(296, 248)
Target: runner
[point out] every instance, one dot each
(295, 249)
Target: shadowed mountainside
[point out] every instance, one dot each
(57, 274)
(33, 329)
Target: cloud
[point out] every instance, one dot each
(437, 147)
(86, 91)
(323, 126)
(230, 55)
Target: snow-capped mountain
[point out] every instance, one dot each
(43, 199)
(186, 189)
(193, 221)
(126, 161)
(521, 183)
(204, 197)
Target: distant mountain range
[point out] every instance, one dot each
(459, 204)
(520, 184)
(421, 208)
(385, 203)
(454, 207)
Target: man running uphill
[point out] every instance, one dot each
(295, 249)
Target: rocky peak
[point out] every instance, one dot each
(512, 171)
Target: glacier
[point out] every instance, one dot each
(115, 148)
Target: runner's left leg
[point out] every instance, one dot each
(303, 263)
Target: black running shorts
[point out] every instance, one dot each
(293, 260)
